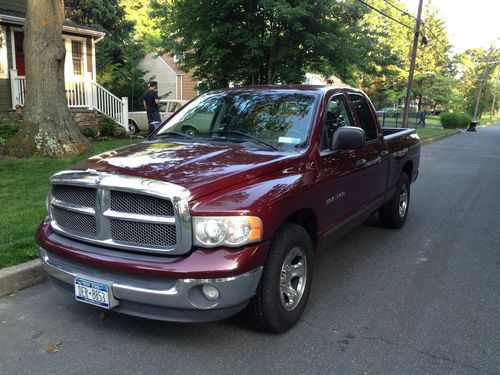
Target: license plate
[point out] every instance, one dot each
(92, 292)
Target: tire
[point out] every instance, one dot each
(393, 214)
(271, 309)
(189, 130)
(132, 128)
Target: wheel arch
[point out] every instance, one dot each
(408, 169)
(306, 218)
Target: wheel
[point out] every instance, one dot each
(286, 280)
(189, 130)
(393, 214)
(132, 128)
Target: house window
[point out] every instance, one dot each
(77, 56)
(177, 58)
(4, 68)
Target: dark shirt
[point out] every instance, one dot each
(149, 98)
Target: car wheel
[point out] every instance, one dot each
(189, 130)
(132, 128)
(393, 214)
(286, 280)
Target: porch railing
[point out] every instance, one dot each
(80, 93)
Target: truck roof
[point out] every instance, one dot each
(318, 88)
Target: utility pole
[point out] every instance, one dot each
(494, 102)
(412, 64)
(481, 86)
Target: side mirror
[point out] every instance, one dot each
(348, 138)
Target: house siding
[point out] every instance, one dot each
(157, 70)
(13, 5)
(186, 86)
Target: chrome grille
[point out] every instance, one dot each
(75, 222)
(128, 213)
(140, 204)
(79, 195)
(157, 235)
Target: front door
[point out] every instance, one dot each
(340, 177)
(19, 52)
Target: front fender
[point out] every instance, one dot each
(272, 198)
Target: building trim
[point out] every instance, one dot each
(67, 28)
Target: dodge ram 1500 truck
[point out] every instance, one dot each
(200, 225)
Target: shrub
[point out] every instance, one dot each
(451, 120)
(89, 133)
(107, 127)
(8, 130)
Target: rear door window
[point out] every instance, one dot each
(364, 115)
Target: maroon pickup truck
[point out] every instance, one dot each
(203, 220)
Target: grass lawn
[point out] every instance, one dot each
(23, 189)
(432, 132)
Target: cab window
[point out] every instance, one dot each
(337, 115)
(364, 115)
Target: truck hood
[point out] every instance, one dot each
(200, 168)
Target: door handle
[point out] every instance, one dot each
(360, 163)
(384, 154)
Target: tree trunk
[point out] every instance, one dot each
(49, 128)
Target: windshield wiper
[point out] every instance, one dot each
(247, 136)
(170, 134)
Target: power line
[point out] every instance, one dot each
(386, 15)
(399, 9)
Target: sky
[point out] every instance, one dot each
(470, 23)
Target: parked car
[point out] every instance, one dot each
(138, 120)
(197, 227)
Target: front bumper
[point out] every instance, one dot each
(159, 298)
(158, 287)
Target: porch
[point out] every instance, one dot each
(82, 93)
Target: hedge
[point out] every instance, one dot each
(454, 120)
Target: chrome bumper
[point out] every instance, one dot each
(160, 298)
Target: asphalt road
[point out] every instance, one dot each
(421, 300)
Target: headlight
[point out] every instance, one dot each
(211, 231)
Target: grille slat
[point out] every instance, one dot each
(74, 222)
(133, 233)
(80, 195)
(140, 204)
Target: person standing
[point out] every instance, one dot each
(421, 119)
(151, 103)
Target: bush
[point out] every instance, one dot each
(107, 127)
(451, 120)
(8, 130)
(89, 133)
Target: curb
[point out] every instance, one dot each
(438, 138)
(21, 276)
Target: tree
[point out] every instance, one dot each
(49, 128)
(473, 68)
(118, 54)
(145, 30)
(263, 41)
(384, 79)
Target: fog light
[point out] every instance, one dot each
(210, 292)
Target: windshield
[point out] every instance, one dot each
(272, 119)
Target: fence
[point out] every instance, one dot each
(80, 93)
(395, 119)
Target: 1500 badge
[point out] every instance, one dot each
(335, 197)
